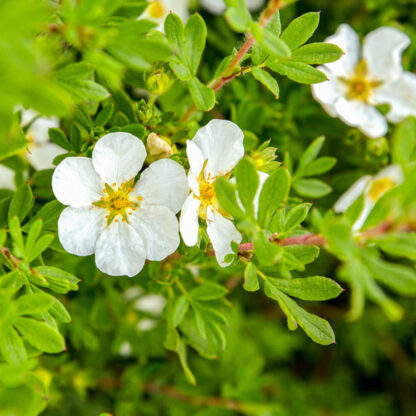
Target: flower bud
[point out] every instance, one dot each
(158, 147)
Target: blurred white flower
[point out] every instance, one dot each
(361, 80)
(121, 222)
(214, 151)
(41, 152)
(218, 6)
(7, 178)
(152, 304)
(373, 188)
(146, 324)
(158, 10)
(125, 349)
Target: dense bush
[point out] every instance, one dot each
(187, 226)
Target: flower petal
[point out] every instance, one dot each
(262, 178)
(153, 304)
(163, 183)
(41, 156)
(221, 142)
(119, 250)
(394, 172)
(401, 95)
(39, 129)
(352, 193)
(328, 92)
(359, 114)
(79, 228)
(347, 39)
(382, 50)
(214, 6)
(7, 178)
(76, 183)
(188, 222)
(118, 157)
(221, 233)
(158, 227)
(368, 206)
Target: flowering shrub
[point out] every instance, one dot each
(197, 198)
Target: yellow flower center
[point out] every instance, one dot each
(206, 194)
(156, 9)
(379, 187)
(360, 86)
(118, 201)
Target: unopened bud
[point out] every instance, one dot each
(158, 146)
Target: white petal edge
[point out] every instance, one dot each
(221, 233)
(394, 172)
(79, 228)
(328, 92)
(41, 156)
(118, 157)
(119, 250)
(75, 182)
(221, 142)
(400, 95)
(188, 223)
(352, 193)
(158, 227)
(163, 183)
(347, 39)
(7, 178)
(368, 206)
(382, 50)
(359, 114)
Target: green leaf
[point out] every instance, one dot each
(195, 37)
(58, 137)
(317, 53)
(16, 234)
(297, 71)
(296, 216)
(208, 291)
(312, 188)
(200, 323)
(273, 194)
(40, 246)
(21, 202)
(59, 312)
(308, 288)
(247, 184)
(180, 70)
(300, 29)
(319, 166)
(175, 33)
(32, 236)
(270, 43)
(400, 278)
(184, 362)
(203, 96)
(340, 241)
(238, 16)
(251, 282)
(40, 335)
(34, 304)
(11, 346)
(404, 139)
(267, 252)
(398, 244)
(49, 213)
(104, 116)
(267, 80)
(179, 310)
(54, 278)
(316, 328)
(226, 195)
(310, 154)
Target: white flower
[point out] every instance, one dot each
(152, 304)
(146, 324)
(218, 6)
(373, 188)
(7, 178)
(213, 152)
(158, 10)
(121, 222)
(361, 80)
(41, 152)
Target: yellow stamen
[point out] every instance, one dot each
(379, 187)
(156, 9)
(360, 86)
